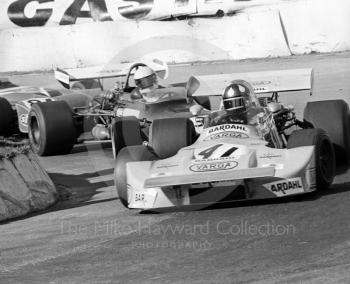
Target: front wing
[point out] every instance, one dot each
(147, 191)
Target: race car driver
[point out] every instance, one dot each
(234, 107)
(146, 82)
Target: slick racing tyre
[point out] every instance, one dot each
(333, 117)
(324, 153)
(126, 155)
(169, 135)
(7, 117)
(51, 128)
(125, 131)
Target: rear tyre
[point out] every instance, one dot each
(169, 135)
(125, 131)
(333, 117)
(324, 153)
(51, 128)
(126, 155)
(7, 117)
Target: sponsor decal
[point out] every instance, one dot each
(270, 156)
(228, 127)
(227, 134)
(142, 199)
(261, 83)
(213, 166)
(220, 159)
(29, 13)
(139, 197)
(285, 187)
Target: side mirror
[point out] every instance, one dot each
(192, 86)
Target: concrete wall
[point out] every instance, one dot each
(317, 25)
(30, 13)
(281, 30)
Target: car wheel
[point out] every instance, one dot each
(169, 135)
(51, 128)
(324, 153)
(126, 155)
(7, 117)
(333, 117)
(125, 131)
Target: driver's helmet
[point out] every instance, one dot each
(145, 78)
(233, 99)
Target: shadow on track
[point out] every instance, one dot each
(74, 191)
(77, 190)
(81, 148)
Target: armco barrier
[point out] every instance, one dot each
(243, 36)
(24, 186)
(317, 25)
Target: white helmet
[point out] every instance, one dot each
(145, 77)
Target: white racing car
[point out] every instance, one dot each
(268, 154)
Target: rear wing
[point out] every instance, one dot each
(262, 81)
(67, 76)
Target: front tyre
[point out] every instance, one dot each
(125, 131)
(324, 153)
(51, 128)
(169, 135)
(126, 155)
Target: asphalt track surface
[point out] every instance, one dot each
(88, 237)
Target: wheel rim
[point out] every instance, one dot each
(326, 160)
(34, 132)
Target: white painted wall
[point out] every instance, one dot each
(281, 30)
(180, 41)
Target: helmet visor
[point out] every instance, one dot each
(146, 82)
(234, 103)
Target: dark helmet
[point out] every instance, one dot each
(233, 98)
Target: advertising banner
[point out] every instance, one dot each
(36, 13)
